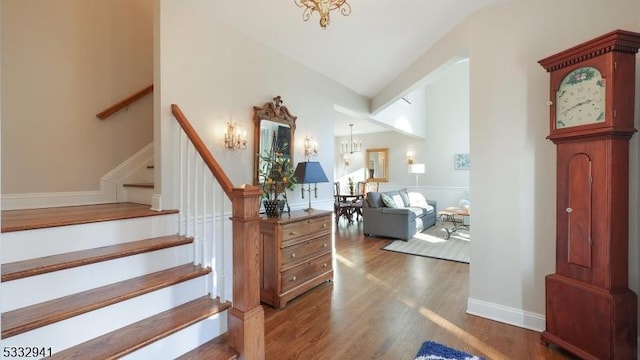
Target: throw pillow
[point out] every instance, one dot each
(398, 200)
(388, 201)
(416, 199)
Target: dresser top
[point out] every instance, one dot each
(297, 215)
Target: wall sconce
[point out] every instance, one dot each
(345, 158)
(410, 158)
(310, 147)
(235, 138)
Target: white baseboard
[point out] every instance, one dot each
(507, 315)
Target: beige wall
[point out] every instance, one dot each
(62, 62)
(218, 76)
(513, 176)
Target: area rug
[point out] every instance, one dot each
(432, 243)
(432, 350)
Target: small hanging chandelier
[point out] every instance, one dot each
(354, 145)
(323, 7)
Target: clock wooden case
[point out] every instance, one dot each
(590, 309)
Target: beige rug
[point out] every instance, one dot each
(432, 243)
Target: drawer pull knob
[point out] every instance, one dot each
(324, 265)
(293, 278)
(324, 226)
(569, 210)
(324, 245)
(292, 233)
(292, 255)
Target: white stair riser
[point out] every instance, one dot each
(183, 341)
(35, 289)
(28, 244)
(135, 195)
(81, 328)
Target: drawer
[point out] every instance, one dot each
(305, 227)
(307, 270)
(308, 248)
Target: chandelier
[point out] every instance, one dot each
(351, 146)
(323, 7)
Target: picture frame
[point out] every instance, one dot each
(461, 161)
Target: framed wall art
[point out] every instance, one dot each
(461, 162)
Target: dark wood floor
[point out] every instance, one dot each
(384, 305)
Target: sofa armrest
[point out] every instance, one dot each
(434, 204)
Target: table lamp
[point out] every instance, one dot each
(310, 172)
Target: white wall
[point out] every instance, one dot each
(64, 61)
(215, 74)
(441, 110)
(513, 176)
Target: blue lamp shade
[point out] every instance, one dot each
(310, 172)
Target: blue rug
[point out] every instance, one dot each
(431, 350)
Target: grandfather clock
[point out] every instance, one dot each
(590, 310)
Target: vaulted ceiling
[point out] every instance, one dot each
(364, 51)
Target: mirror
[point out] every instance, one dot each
(377, 165)
(273, 129)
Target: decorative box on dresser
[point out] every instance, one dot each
(296, 255)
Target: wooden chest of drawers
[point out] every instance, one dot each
(296, 255)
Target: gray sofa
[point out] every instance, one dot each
(398, 214)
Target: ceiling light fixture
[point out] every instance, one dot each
(323, 7)
(352, 145)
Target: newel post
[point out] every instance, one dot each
(246, 317)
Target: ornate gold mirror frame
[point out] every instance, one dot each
(377, 165)
(273, 130)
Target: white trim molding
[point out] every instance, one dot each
(505, 314)
(106, 194)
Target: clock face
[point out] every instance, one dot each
(580, 99)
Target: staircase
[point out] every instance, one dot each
(104, 282)
(115, 281)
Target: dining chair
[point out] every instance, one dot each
(341, 208)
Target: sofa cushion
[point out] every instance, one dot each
(374, 199)
(420, 212)
(392, 201)
(404, 194)
(388, 201)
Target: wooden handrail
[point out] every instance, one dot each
(245, 320)
(212, 164)
(124, 103)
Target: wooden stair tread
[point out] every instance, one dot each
(140, 185)
(28, 219)
(128, 339)
(33, 267)
(31, 317)
(216, 349)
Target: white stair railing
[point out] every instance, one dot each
(202, 215)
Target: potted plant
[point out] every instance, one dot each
(276, 175)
